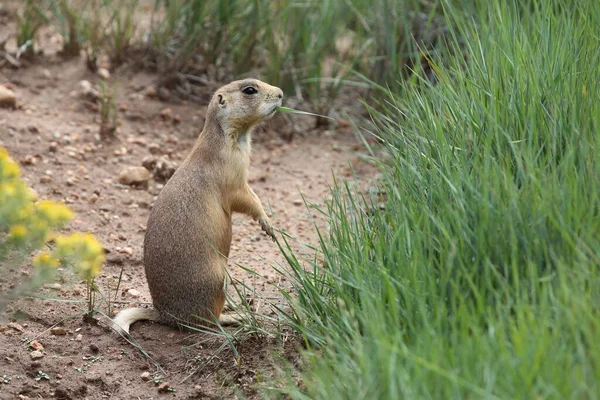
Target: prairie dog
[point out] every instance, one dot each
(188, 236)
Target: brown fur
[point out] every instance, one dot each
(188, 236)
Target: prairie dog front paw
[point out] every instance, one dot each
(266, 226)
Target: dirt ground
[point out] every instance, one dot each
(53, 134)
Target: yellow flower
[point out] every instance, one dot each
(8, 168)
(55, 213)
(8, 190)
(17, 232)
(45, 260)
(84, 251)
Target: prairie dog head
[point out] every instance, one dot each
(240, 105)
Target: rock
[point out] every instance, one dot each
(94, 347)
(36, 355)
(94, 378)
(298, 202)
(104, 73)
(199, 392)
(58, 331)
(162, 168)
(149, 163)
(127, 250)
(79, 337)
(150, 92)
(261, 178)
(145, 376)
(15, 326)
(120, 152)
(88, 92)
(154, 148)
(62, 393)
(29, 160)
(93, 198)
(53, 147)
(166, 114)
(107, 207)
(33, 129)
(115, 258)
(134, 293)
(35, 345)
(163, 387)
(134, 176)
(8, 98)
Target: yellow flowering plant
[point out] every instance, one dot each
(28, 225)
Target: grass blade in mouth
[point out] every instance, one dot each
(292, 111)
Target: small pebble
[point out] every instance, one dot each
(35, 345)
(163, 387)
(58, 331)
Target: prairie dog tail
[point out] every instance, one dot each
(128, 316)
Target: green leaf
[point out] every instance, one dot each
(292, 111)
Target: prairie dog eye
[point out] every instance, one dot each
(249, 90)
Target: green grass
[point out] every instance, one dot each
(310, 48)
(480, 278)
(294, 44)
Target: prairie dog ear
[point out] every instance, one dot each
(222, 101)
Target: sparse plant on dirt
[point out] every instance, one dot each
(41, 375)
(28, 225)
(30, 18)
(68, 18)
(93, 30)
(108, 111)
(309, 48)
(89, 361)
(121, 28)
(305, 47)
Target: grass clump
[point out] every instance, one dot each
(480, 277)
(309, 48)
(30, 18)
